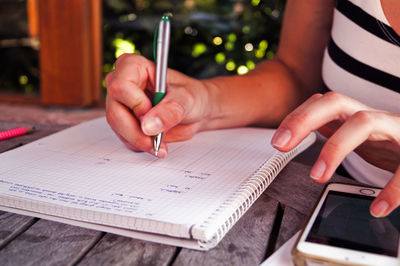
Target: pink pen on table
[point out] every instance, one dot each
(15, 132)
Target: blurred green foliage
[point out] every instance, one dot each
(19, 58)
(208, 37)
(19, 72)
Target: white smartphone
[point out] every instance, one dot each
(341, 230)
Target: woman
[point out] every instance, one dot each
(352, 48)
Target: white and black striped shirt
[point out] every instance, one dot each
(362, 60)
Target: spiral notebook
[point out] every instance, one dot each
(85, 176)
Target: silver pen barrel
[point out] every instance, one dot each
(163, 38)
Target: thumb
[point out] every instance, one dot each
(169, 112)
(389, 198)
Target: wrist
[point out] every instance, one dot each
(213, 111)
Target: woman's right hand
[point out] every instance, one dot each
(181, 113)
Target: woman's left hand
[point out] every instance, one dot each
(349, 125)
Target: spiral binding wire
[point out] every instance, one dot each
(246, 194)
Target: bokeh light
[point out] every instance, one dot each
(199, 49)
(229, 46)
(246, 29)
(123, 46)
(249, 47)
(23, 80)
(242, 70)
(230, 65)
(263, 45)
(232, 37)
(217, 40)
(220, 58)
(250, 64)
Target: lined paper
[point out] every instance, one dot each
(87, 168)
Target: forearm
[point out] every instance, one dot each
(263, 97)
(267, 94)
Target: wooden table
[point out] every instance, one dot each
(277, 215)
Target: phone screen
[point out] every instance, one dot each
(345, 221)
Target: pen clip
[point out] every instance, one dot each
(164, 17)
(155, 42)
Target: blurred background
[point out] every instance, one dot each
(58, 52)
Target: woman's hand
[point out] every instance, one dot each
(349, 125)
(129, 109)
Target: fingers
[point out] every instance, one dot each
(361, 126)
(389, 198)
(360, 123)
(128, 129)
(329, 129)
(127, 102)
(311, 115)
(127, 84)
(169, 112)
(181, 132)
(130, 111)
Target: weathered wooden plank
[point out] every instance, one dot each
(11, 225)
(292, 222)
(41, 130)
(82, 253)
(47, 243)
(310, 155)
(119, 250)
(294, 188)
(245, 243)
(48, 115)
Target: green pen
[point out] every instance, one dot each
(161, 49)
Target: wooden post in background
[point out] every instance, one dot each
(70, 52)
(32, 7)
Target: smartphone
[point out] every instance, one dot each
(341, 230)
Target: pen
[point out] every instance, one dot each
(15, 132)
(161, 48)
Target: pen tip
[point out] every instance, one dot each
(157, 143)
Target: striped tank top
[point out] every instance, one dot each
(362, 60)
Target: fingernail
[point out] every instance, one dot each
(162, 153)
(152, 126)
(281, 138)
(318, 170)
(379, 208)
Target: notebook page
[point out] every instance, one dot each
(87, 167)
